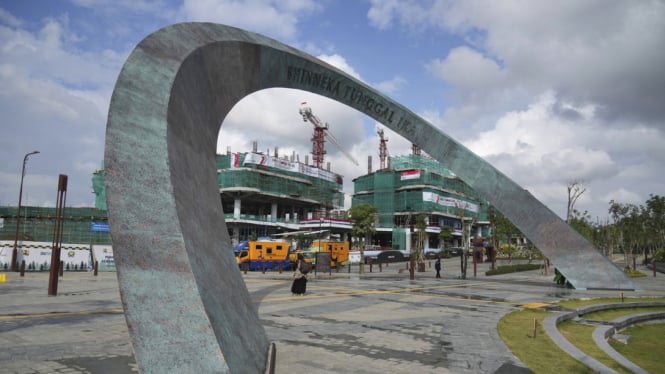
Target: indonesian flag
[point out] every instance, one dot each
(410, 174)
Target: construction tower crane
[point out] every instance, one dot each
(383, 149)
(321, 132)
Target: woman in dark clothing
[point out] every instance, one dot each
(299, 281)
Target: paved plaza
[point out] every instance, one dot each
(378, 322)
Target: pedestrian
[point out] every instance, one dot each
(559, 278)
(299, 284)
(437, 266)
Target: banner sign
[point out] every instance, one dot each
(37, 255)
(99, 226)
(103, 254)
(6, 249)
(449, 201)
(296, 167)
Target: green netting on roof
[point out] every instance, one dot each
(38, 224)
(234, 172)
(418, 162)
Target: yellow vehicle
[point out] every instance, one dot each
(339, 251)
(307, 257)
(263, 254)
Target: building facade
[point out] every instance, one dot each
(416, 184)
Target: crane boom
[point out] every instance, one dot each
(332, 139)
(321, 130)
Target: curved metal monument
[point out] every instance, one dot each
(185, 301)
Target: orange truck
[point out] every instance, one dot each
(261, 254)
(339, 251)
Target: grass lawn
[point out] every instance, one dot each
(580, 336)
(646, 346)
(609, 315)
(542, 355)
(576, 303)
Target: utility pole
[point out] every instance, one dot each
(18, 213)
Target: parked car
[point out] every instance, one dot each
(431, 253)
(453, 252)
(390, 256)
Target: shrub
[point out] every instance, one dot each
(512, 269)
(660, 255)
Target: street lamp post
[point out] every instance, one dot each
(18, 213)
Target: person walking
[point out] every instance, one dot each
(437, 266)
(299, 285)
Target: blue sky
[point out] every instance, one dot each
(547, 92)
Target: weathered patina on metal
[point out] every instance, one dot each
(185, 301)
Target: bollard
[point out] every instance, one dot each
(280, 268)
(61, 268)
(535, 327)
(380, 267)
(96, 268)
(622, 297)
(23, 268)
(350, 268)
(3, 277)
(370, 264)
(245, 266)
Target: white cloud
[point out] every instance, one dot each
(467, 69)
(277, 19)
(391, 86)
(340, 63)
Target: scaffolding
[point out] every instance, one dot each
(81, 225)
(280, 178)
(417, 183)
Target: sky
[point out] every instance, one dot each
(548, 92)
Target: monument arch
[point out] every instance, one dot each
(185, 301)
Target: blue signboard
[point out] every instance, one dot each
(99, 226)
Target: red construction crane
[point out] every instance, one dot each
(321, 133)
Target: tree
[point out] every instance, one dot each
(467, 222)
(303, 241)
(630, 222)
(362, 216)
(655, 212)
(504, 231)
(421, 227)
(575, 190)
(581, 222)
(445, 235)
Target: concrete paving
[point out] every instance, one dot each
(378, 322)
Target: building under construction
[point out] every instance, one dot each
(266, 195)
(406, 187)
